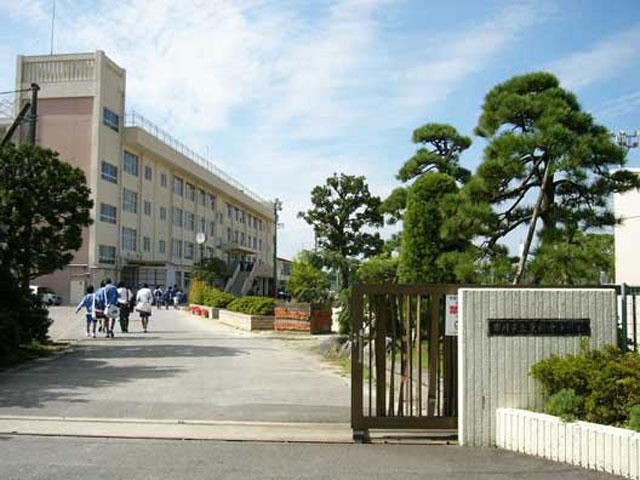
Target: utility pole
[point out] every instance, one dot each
(33, 114)
(277, 206)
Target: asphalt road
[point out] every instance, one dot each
(31, 458)
(184, 368)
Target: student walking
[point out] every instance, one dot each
(124, 303)
(157, 296)
(107, 298)
(168, 298)
(144, 298)
(87, 303)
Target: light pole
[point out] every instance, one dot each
(277, 206)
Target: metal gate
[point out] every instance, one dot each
(404, 367)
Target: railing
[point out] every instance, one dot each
(52, 71)
(134, 119)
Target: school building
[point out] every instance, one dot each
(158, 206)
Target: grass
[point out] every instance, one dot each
(32, 351)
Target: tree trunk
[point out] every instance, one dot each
(532, 225)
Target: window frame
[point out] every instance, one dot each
(108, 176)
(105, 217)
(114, 122)
(130, 163)
(127, 201)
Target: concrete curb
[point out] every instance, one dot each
(331, 433)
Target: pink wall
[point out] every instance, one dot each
(64, 125)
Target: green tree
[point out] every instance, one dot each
(576, 259)
(422, 242)
(342, 209)
(381, 268)
(440, 152)
(546, 159)
(44, 205)
(308, 283)
(212, 271)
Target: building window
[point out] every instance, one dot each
(108, 213)
(111, 119)
(229, 235)
(212, 229)
(109, 172)
(148, 173)
(163, 180)
(130, 163)
(129, 201)
(202, 224)
(176, 248)
(236, 236)
(176, 217)
(189, 221)
(242, 239)
(129, 239)
(260, 244)
(255, 243)
(162, 247)
(107, 254)
(178, 186)
(202, 197)
(147, 208)
(237, 213)
(260, 225)
(163, 214)
(229, 211)
(188, 250)
(190, 192)
(146, 244)
(212, 202)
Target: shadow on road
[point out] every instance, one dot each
(70, 377)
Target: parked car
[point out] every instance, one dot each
(46, 295)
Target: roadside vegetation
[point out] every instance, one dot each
(44, 205)
(600, 386)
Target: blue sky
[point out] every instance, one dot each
(282, 93)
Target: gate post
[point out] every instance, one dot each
(360, 433)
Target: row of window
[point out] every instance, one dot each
(187, 220)
(234, 236)
(239, 215)
(131, 162)
(107, 253)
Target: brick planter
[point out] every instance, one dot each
(246, 322)
(302, 317)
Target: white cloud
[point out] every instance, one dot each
(620, 105)
(603, 60)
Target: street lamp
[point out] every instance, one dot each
(277, 206)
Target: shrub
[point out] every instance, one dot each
(634, 418)
(608, 381)
(253, 305)
(308, 283)
(217, 298)
(566, 405)
(197, 292)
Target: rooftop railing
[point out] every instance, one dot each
(134, 119)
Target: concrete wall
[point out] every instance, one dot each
(493, 371)
(627, 236)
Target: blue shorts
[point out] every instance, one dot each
(90, 318)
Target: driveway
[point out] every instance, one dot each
(184, 368)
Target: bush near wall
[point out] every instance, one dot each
(604, 385)
(203, 294)
(253, 305)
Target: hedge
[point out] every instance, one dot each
(203, 294)
(600, 386)
(253, 305)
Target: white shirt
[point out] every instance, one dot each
(124, 295)
(144, 295)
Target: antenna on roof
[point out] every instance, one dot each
(53, 20)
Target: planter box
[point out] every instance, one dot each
(246, 322)
(589, 445)
(212, 312)
(302, 317)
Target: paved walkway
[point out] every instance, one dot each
(186, 368)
